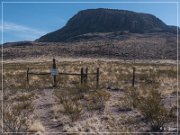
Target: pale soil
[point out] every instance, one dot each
(61, 59)
(43, 110)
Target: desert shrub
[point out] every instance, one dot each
(170, 73)
(97, 100)
(152, 108)
(72, 107)
(24, 97)
(148, 78)
(124, 104)
(16, 116)
(133, 96)
(115, 125)
(82, 88)
(17, 111)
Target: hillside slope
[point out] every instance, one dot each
(107, 20)
(114, 45)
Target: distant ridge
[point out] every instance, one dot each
(107, 20)
(104, 33)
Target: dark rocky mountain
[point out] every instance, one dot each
(103, 33)
(107, 20)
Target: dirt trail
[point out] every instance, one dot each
(43, 109)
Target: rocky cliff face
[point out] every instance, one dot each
(107, 20)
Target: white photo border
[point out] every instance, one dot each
(2, 37)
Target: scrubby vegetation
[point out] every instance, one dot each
(115, 106)
(97, 100)
(17, 112)
(152, 108)
(71, 106)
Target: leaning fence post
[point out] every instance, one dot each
(97, 78)
(82, 74)
(54, 76)
(27, 76)
(133, 79)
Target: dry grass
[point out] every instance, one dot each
(152, 108)
(17, 115)
(85, 108)
(72, 107)
(97, 100)
(36, 126)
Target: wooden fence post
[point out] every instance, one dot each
(97, 78)
(82, 75)
(28, 76)
(54, 76)
(86, 75)
(133, 79)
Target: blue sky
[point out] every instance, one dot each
(29, 21)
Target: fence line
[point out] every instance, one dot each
(83, 75)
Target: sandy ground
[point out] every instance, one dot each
(60, 59)
(43, 110)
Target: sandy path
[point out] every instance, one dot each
(43, 109)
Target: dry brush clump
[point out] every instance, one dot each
(17, 113)
(115, 124)
(152, 108)
(124, 104)
(16, 117)
(71, 106)
(82, 88)
(23, 97)
(97, 100)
